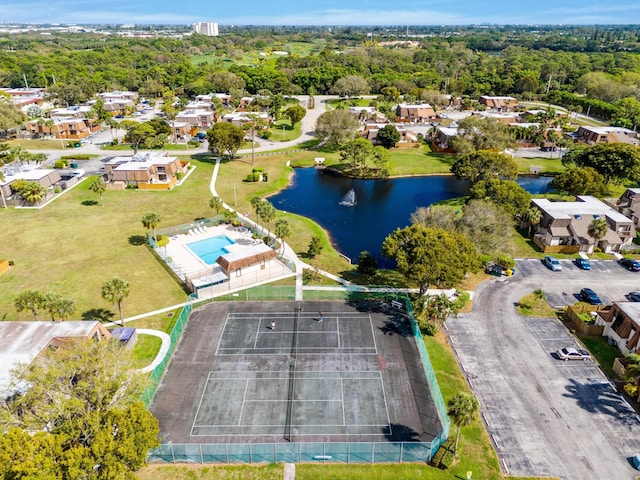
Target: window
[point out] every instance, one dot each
(578, 217)
(596, 217)
(238, 272)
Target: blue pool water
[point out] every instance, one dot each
(210, 249)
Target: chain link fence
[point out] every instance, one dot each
(338, 452)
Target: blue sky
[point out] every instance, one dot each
(327, 12)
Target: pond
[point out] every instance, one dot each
(359, 214)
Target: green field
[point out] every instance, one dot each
(73, 245)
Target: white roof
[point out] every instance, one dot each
(414, 105)
(587, 205)
(607, 130)
(247, 252)
(21, 342)
(29, 175)
(141, 161)
(448, 131)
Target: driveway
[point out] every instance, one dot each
(546, 417)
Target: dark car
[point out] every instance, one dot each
(200, 135)
(634, 296)
(583, 263)
(590, 296)
(630, 264)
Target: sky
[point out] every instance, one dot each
(326, 12)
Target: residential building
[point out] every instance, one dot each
(628, 204)
(622, 326)
(368, 114)
(500, 104)
(60, 127)
(23, 342)
(23, 97)
(564, 226)
(197, 118)
(147, 171)
(46, 177)
(180, 129)
(75, 111)
(241, 118)
(225, 98)
(210, 29)
(593, 135)
(504, 118)
(118, 102)
(407, 137)
(408, 113)
(444, 135)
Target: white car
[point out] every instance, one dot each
(570, 353)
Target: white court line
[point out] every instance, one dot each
(200, 404)
(279, 433)
(338, 330)
(222, 334)
(342, 400)
(255, 342)
(386, 406)
(373, 335)
(246, 387)
(302, 425)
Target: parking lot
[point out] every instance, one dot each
(546, 417)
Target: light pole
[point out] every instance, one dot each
(284, 133)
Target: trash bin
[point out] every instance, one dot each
(264, 177)
(73, 164)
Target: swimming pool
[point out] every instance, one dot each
(210, 249)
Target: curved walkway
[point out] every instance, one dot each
(164, 348)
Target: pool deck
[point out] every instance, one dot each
(189, 263)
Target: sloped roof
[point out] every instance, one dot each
(256, 254)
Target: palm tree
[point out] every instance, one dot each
(632, 372)
(151, 220)
(57, 305)
(597, 229)
(216, 204)
(98, 186)
(33, 192)
(30, 300)
(282, 231)
(267, 214)
(463, 410)
(533, 217)
(540, 295)
(114, 291)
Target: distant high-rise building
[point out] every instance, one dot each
(210, 29)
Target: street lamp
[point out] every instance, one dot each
(284, 134)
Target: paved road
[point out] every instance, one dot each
(546, 417)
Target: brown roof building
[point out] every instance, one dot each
(501, 104)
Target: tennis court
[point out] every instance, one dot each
(274, 372)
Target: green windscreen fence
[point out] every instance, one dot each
(176, 333)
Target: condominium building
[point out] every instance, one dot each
(210, 29)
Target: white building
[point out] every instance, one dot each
(210, 29)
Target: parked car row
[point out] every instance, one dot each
(553, 264)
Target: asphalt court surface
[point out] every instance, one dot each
(267, 372)
(252, 334)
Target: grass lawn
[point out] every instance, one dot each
(209, 472)
(29, 144)
(419, 161)
(532, 306)
(603, 352)
(73, 246)
(549, 165)
(232, 175)
(145, 350)
(289, 133)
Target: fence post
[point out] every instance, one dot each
(173, 456)
(201, 457)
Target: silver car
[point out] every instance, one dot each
(570, 353)
(552, 263)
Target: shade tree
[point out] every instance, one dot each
(115, 291)
(614, 161)
(484, 165)
(429, 256)
(336, 127)
(225, 138)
